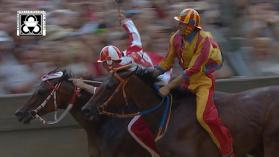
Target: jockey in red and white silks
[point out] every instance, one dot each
(133, 54)
(136, 53)
(134, 49)
(112, 57)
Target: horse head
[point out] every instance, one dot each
(55, 92)
(123, 94)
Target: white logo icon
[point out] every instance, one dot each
(31, 23)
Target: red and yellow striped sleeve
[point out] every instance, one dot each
(199, 59)
(168, 61)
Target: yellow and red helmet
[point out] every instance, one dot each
(190, 17)
(110, 53)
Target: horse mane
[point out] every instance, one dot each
(149, 79)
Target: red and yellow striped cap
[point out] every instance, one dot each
(189, 16)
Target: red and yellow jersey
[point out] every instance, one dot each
(198, 53)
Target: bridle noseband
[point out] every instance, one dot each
(53, 93)
(123, 82)
(121, 85)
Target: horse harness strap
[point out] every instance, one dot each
(165, 118)
(122, 84)
(164, 122)
(53, 93)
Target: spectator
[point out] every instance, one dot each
(247, 30)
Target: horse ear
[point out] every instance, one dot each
(66, 75)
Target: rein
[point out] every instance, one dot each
(123, 82)
(166, 102)
(44, 103)
(122, 85)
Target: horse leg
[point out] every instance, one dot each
(93, 148)
(92, 151)
(130, 148)
(257, 152)
(271, 146)
(271, 131)
(141, 133)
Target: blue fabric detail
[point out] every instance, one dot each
(164, 117)
(153, 108)
(166, 101)
(192, 22)
(156, 87)
(223, 58)
(185, 76)
(160, 69)
(211, 68)
(156, 106)
(191, 36)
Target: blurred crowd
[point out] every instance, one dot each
(246, 30)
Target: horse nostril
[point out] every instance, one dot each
(33, 113)
(19, 115)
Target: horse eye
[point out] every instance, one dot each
(110, 85)
(42, 91)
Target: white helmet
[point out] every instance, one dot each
(110, 53)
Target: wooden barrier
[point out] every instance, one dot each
(67, 138)
(241, 84)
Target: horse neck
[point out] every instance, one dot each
(141, 93)
(76, 110)
(91, 127)
(98, 129)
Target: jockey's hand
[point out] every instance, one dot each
(121, 16)
(164, 91)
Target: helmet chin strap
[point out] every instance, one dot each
(109, 62)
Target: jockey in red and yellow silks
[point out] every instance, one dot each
(199, 55)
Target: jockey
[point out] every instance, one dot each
(199, 55)
(112, 57)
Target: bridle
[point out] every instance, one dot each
(121, 86)
(166, 102)
(55, 88)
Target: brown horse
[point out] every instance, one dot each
(250, 116)
(105, 136)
